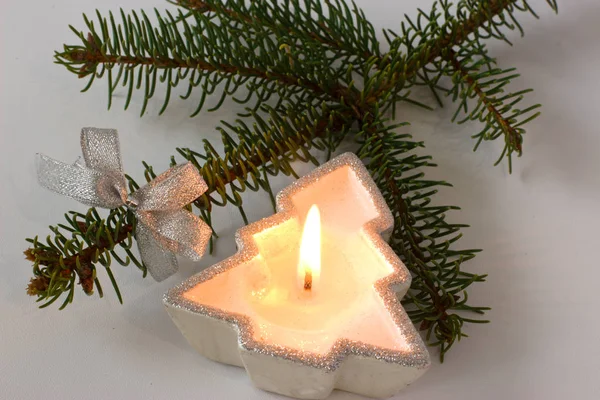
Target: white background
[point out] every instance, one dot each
(539, 227)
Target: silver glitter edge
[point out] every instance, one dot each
(417, 356)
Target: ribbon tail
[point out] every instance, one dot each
(179, 231)
(88, 186)
(161, 262)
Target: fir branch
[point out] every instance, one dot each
(324, 65)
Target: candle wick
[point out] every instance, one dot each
(307, 280)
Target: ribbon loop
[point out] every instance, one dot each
(164, 228)
(101, 149)
(171, 190)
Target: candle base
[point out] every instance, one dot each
(290, 374)
(356, 374)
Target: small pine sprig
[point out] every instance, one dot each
(70, 257)
(476, 78)
(483, 81)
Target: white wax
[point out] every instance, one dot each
(343, 305)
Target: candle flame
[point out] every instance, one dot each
(309, 264)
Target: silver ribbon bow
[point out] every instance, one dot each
(164, 228)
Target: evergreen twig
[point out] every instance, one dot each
(494, 107)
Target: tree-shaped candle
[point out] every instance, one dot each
(310, 302)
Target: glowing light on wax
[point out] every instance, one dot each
(309, 263)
